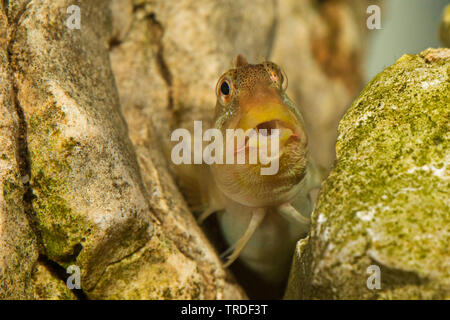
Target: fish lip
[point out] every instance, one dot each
(269, 125)
(278, 124)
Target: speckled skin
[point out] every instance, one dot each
(252, 88)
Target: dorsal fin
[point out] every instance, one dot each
(241, 61)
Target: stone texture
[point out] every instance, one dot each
(18, 245)
(386, 201)
(48, 286)
(88, 201)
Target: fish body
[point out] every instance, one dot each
(269, 251)
(261, 216)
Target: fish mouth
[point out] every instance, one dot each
(264, 134)
(267, 122)
(286, 130)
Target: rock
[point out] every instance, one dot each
(18, 245)
(48, 286)
(89, 203)
(121, 16)
(168, 62)
(86, 197)
(385, 204)
(21, 275)
(444, 30)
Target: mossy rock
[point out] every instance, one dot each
(47, 286)
(385, 204)
(78, 195)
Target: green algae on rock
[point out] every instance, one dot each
(73, 126)
(386, 202)
(67, 164)
(18, 244)
(49, 287)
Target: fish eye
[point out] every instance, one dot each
(274, 76)
(225, 88)
(277, 75)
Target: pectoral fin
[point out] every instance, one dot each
(207, 212)
(256, 219)
(288, 211)
(313, 194)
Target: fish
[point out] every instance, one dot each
(261, 216)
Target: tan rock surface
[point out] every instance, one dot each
(89, 203)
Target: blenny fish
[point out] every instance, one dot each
(261, 216)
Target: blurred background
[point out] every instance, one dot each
(408, 26)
